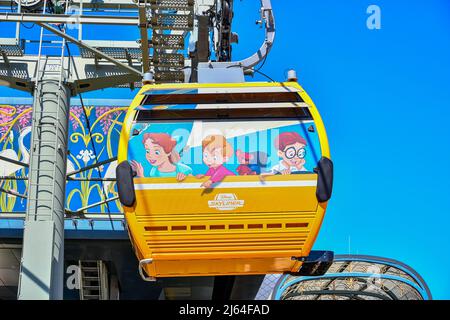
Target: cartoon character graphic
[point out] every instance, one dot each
(161, 154)
(292, 151)
(216, 151)
(250, 163)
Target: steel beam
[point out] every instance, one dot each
(80, 210)
(89, 179)
(13, 193)
(13, 178)
(92, 166)
(19, 163)
(90, 76)
(144, 39)
(89, 48)
(89, 4)
(69, 19)
(16, 83)
(99, 82)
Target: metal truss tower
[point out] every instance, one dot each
(53, 78)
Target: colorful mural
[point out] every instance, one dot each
(85, 148)
(224, 148)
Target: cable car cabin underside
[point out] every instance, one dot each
(224, 179)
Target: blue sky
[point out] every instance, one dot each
(384, 97)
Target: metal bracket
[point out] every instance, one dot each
(301, 259)
(5, 58)
(315, 264)
(260, 55)
(141, 270)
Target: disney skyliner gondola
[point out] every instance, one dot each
(228, 178)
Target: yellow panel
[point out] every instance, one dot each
(247, 266)
(222, 200)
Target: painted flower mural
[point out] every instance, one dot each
(14, 126)
(106, 116)
(86, 155)
(76, 117)
(85, 148)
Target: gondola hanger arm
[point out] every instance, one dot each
(267, 18)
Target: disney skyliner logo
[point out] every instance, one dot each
(225, 201)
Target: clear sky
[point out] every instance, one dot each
(384, 97)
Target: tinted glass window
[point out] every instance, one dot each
(165, 145)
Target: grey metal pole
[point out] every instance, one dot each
(42, 273)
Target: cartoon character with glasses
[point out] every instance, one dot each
(292, 151)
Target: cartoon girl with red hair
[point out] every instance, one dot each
(161, 154)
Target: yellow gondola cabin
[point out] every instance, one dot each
(224, 179)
